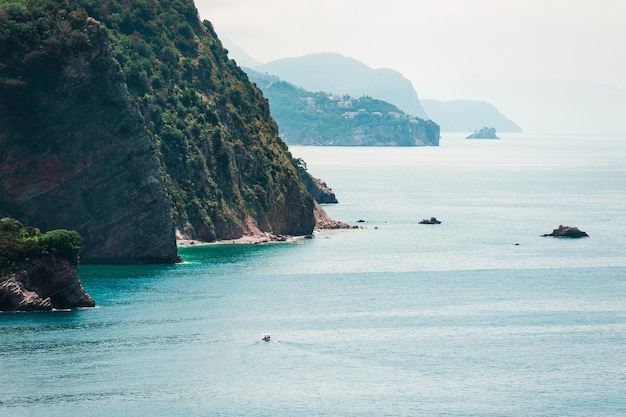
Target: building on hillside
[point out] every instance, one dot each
(310, 103)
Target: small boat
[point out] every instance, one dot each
(265, 337)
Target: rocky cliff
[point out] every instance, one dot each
(43, 284)
(321, 192)
(412, 133)
(75, 154)
(39, 271)
(127, 122)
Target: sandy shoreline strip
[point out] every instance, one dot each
(244, 240)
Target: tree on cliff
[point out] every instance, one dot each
(19, 244)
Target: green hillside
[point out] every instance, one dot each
(306, 118)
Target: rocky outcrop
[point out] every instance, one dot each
(43, 284)
(484, 133)
(432, 220)
(321, 192)
(324, 222)
(566, 231)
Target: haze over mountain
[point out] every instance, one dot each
(467, 116)
(558, 68)
(545, 106)
(342, 75)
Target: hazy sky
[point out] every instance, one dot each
(438, 43)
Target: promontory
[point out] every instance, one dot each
(125, 121)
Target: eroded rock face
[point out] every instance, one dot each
(45, 284)
(15, 297)
(320, 191)
(324, 222)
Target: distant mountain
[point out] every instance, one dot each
(546, 106)
(343, 75)
(241, 57)
(307, 118)
(467, 116)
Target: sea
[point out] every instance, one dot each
(476, 316)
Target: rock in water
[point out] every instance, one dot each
(432, 220)
(567, 231)
(484, 133)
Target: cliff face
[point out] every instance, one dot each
(127, 122)
(75, 155)
(409, 133)
(43, 284)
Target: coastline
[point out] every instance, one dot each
(243, 240)
(254, 235)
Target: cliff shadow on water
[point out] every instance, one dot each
(127, 122)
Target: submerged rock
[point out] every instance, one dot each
(566, 231)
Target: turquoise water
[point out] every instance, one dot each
(478, 316)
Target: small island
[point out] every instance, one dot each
(567, 231)
(484, 133)
(432, 220)
(39, 271)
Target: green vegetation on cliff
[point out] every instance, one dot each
(306, 118)
(222, 165)
(20, 244)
